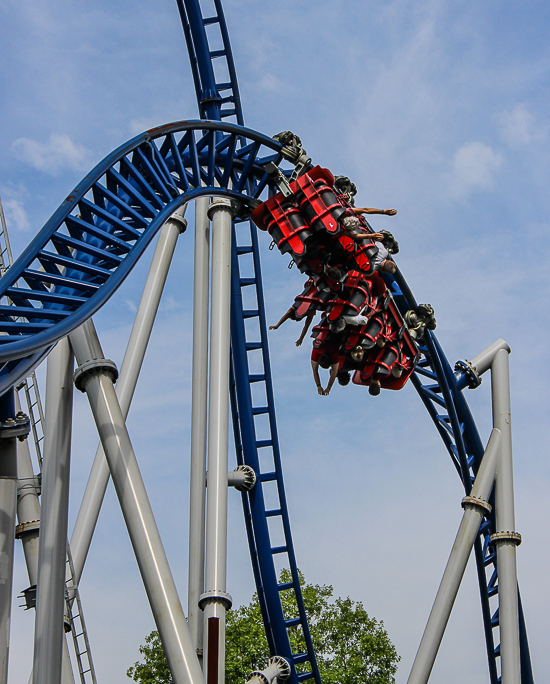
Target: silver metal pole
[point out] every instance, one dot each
(475, 507)
(482, 362)
(95, 376)
(28, 515)
(215, 600)
(129, 372)
(505, 539)
(8, 499)
(52, 547)
(199, 396)
(28, 509)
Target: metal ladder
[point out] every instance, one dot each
(258, 446)
(35, 412)
(79, 632)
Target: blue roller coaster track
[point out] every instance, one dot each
(90, 244)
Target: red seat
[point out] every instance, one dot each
(317, 201)
(283, 221)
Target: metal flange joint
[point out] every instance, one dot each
(215, 596)
(502, 537)
(476, 502)
(220, 203)
(473, 378)
(94, 366)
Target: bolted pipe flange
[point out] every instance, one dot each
(283, 667)
(277, 669)
(23, 528)
(475, 502)
(245, 480)
(19, 427)
(501, 537)
(94, 366)
(215, 595)
(472, 376)
(219, 203)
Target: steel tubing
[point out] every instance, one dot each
(199, 396)
(215, 600)
(482, 362)
(97, 381)
(129, 373)
(474, 506)
(52, 547)
(28, 508)
(506, 538)
(28, 515)
(8, 499)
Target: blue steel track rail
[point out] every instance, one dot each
(90, 244)
(213, 68)
(218, 98)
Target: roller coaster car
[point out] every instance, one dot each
(314, 297)
(387, 352)
(394, 362)
(359, 295)
(306, 225)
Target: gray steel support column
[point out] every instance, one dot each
(475, 507)
(129, 372)
(482, 362)
(215, 600)
(506, 539)
(95, 376)
(8, 498)
(28, 515)
(199, 396)
(52, 547)
(28, 510)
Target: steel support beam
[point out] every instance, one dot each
(95, 376)
(199, 396)
(129, 373)
(505, 539)
(475, 507)
(28, 515)
(215, 600)
(8, 503)
(52, 547)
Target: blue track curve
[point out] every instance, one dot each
(92, 241)
(90, 244)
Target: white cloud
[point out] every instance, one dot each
(475, 165)
(170, 304)
(58, 154)
(15, 214)
(520, 128)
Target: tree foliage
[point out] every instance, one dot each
(350, 646)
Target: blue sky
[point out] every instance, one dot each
(438, 108)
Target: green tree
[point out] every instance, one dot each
(350, 646)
